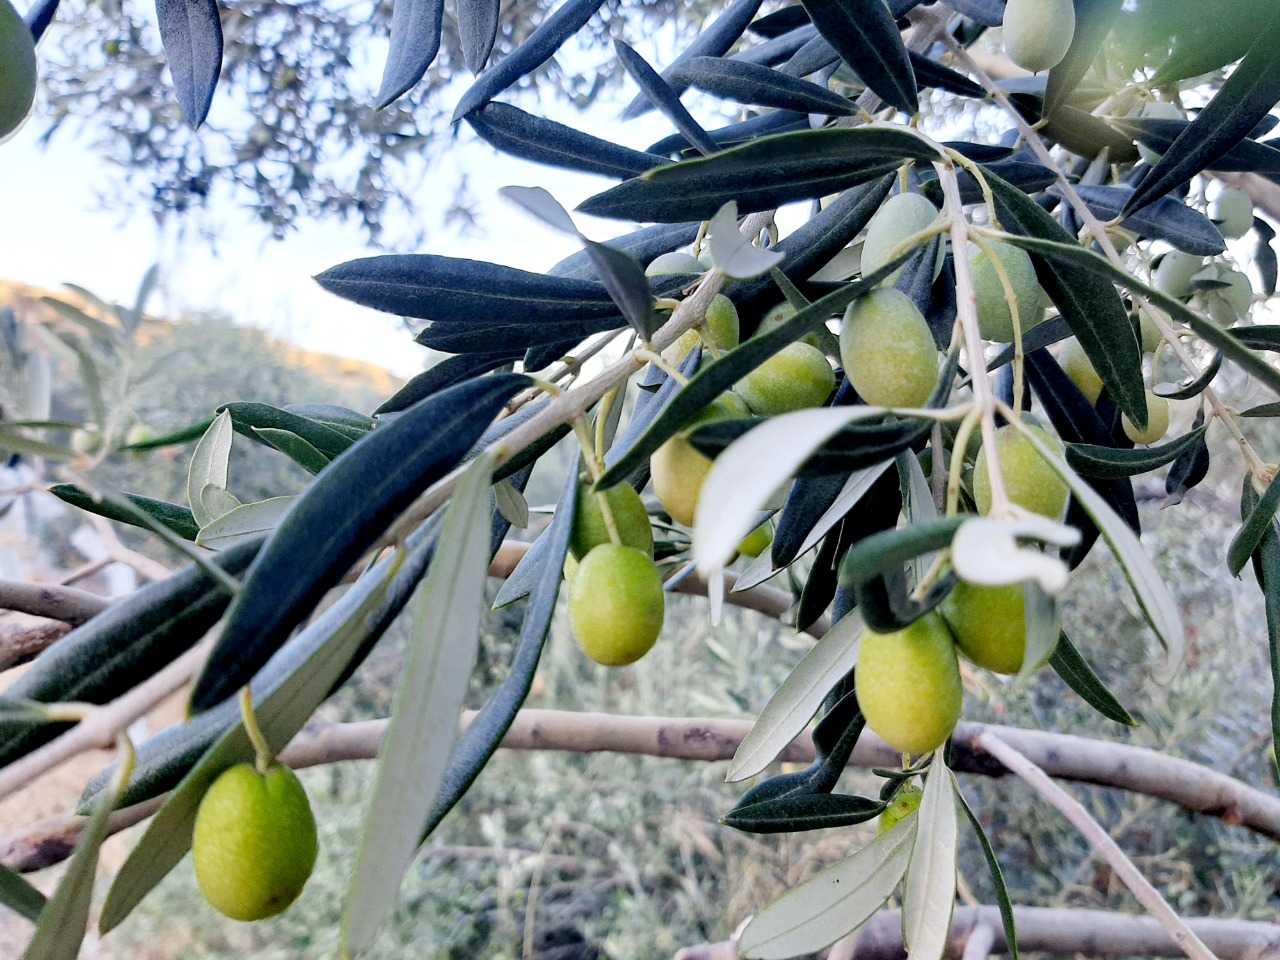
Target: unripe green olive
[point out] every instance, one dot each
(675, 262)
(629, 515)
(1148, 333)
(888, 351)
(254, 841)
(678, 469)
(994, 319)
(1077, 365)
(899, 217)
(820, 339)
(1155, 110)
(1029, 480)
(1232, 211)
(18, 69)
(720, 325)
(989, 624)
(796, 377)
(1157, 421)
(908, 685)
(756, 542)
(616, 605)
(1229, 304)
(1174, 273)
(1038, 33)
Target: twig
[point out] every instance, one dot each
(1129, 875)
(978, 945)
(119, 553)
(68, 604)
(20, 644)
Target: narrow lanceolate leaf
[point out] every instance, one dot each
(1093, 23)
(294, 447)
(837, 901)
(536, 50)
(1153, 595)
(249, 419)
(65, 918)
(761, 174)
(191, 31)
(480, 740)
(477, 29)
(280, 714)
(930, 894)
(450, 290)
(715, 41)
(1245, 98)
(209, 465)
(867, 39)
(624, 278)
(20, 896)
(1108, 463)
(246, 522)
(340, 514)
(539, 140)
(1089, 303)
(415, 41)
(1079, 676)
(1266, 566)
(1258, 523)
(12, 440)
(795, 702)
(1167, 219)
(792, 814)
(446, 373)
(997, 875)
(758, 85)
(424, 717)
(659, 93)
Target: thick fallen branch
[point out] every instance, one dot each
(52, 600)
(1094, 933)
(1136, 769)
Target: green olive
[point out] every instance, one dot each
(1077, 365)
(720, 325)
(1232, 211)
(994, 319)
(899, 217)
(667, 264)
(1174, 272)
(796, 377)
(18, 69)
(989, 624)
(1231, 303)
(616, 605)
(1038, 33)
(1029, 480)
(888, 351)
(678, 469)
(629, 515)
(1157, 421)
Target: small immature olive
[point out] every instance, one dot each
(1148, 333)
(1232, 212)
(756, 542)
(1029, 480)
(1157, 421)
(1174, 272)
(18, 69)
(678, 469)
(616, 605)
(994, 319)
(820, 339)
(1155, 110)
(1229, 304)
(720, 326)
(888, 351)
(1077, 365)
(1038, 33)
(899, 217)
(254, 841)
(629, 514)
(908, 685)
(905, 803)
(989, 624)
(796, 377)
(666, 264)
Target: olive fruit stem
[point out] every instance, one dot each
(967, 317)
(264, 759)
(1099, 233)
(1011, 300)
(595, 465)
(647, 354)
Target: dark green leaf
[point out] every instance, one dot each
(664, 97)
(537, 49)
(1264, 256)
(334, 521)
(415, 41)
(1263, 410)
(757, 85)
(760, 175)
(448, 290)
(446, 373)
(177, 518)
(867, 39)
(997, 877)
(775, 121)
(185, 435)
(782, 20)
(1264, 336)
(795, 814)
(472, 338)
(644, 245)
(1266, 565)
(715, 41)
(191, 31)
(1079, 676)
(886, 552)
(1093, 23)
(539, 140)
(930, 73)
(1167, 219)
(1109, 463)
(477, 30)
(624, 278)
(1259, 523)
(20, 896)
(1245, 98)
(293, 447)
(249, 419)
(1088, 302)
(1247, 156)
(1196, 385)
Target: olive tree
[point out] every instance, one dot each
(940, 379)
